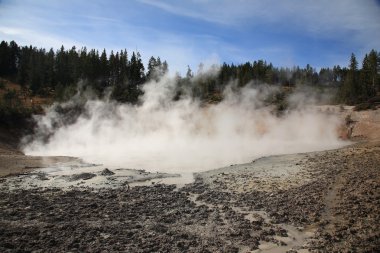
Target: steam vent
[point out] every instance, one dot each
(189, 126)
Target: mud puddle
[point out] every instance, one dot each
(84, 175)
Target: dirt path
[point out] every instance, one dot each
(337, 198)
(352, 215)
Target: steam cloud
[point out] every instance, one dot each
(184, 136)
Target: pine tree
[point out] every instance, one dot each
(61, 63)
(4, 58)
(350, 90)
(112, 68)
(137, 74)
(124, 66)
(14, 53)
(83, 67)
(36, 73)
(337, 74)
(152, 65)
(22, 75)
(365, 79)
(104, 68)
(49, 69)
(72, 66)
(9, 57)
(189, 73)
(165, 68)
(374, 69)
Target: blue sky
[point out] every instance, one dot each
(286, 33)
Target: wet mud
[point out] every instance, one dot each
(317, 202)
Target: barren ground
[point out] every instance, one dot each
(325, 201)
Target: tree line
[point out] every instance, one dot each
(57, 73)
(353, 85)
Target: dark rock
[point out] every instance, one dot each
(107, 172)
(82, 176)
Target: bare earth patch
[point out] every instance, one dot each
(320, 202)
(325, 201)
(16, 163)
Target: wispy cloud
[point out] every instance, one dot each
(284, 32)
(325, 17)
(100, 18)
(36, 38)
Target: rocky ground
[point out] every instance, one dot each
(325, 201)
(338, 199)
(321, 202)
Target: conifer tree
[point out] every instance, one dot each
(350, 91)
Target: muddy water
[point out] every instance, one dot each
(78, 174)
(83, 175)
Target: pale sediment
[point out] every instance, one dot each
(323, 201)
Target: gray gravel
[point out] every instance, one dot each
(322, 202)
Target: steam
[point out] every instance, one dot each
(183, 136)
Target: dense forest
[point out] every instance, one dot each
(56, 74)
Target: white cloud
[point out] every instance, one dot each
(232, 31)
(26, 37)
(361, 19)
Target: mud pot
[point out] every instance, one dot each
(316, 202)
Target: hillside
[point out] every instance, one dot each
(15, 95)
(17, 105)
